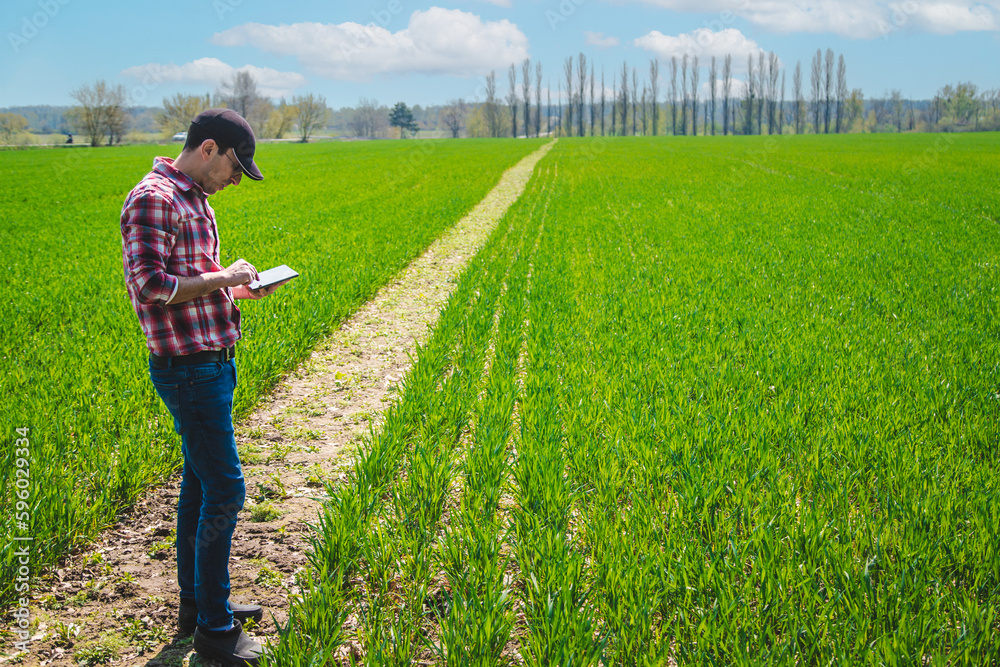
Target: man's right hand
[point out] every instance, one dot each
(239, 272)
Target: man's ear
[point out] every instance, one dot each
(208, 148)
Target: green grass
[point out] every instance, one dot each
(264, 512)
(347, 216)
(742, 409)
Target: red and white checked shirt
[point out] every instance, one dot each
(169, 230)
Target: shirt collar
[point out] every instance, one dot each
(165, 167)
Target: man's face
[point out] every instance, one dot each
(223, 170)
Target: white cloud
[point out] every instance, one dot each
(436, 41)
(700, 42)
(861, 20)
(599, 40)
(947, 18)
(857, 19)
(212, 72)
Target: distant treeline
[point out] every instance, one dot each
(371, 120)
(45, 119)
(653, 102)
(672, 101)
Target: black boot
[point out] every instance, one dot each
(187, 617)
(230, 647)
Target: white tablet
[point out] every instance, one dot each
(272, 277)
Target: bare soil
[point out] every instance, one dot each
(116, 601)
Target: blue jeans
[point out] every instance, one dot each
(200, 399)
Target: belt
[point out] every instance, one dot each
(204, 357)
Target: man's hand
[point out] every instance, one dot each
(237, 275)
(244, 292)
(239, 272)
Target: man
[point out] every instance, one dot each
(184, 299)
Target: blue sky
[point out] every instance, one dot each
(429, 52)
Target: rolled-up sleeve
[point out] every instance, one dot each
(149, 231)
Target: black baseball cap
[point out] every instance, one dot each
(228, 128)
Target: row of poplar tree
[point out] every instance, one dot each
(754, 106)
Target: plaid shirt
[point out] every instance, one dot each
(169, 230)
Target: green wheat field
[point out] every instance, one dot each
(699, 401)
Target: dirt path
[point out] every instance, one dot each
(117, 603)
